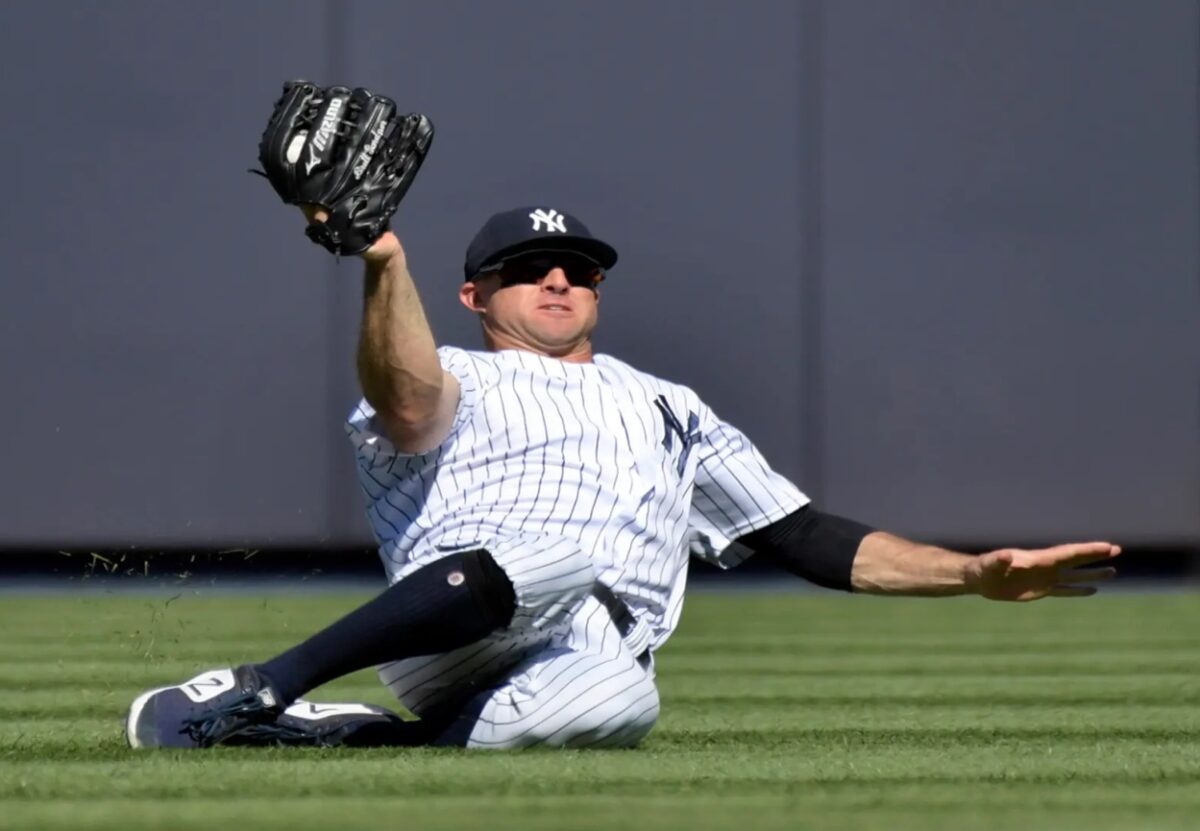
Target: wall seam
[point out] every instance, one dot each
(337, 295)
(1196, 182)
(811, 202)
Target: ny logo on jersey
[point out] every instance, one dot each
(551, 218)
(672, 428)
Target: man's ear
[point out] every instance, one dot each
(468, 295)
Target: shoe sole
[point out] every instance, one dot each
(135, 712)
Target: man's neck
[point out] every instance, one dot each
(579, 354)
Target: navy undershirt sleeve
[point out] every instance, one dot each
(817, 546)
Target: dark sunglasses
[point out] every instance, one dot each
(580, 271)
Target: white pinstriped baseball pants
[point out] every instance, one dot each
(560, 675)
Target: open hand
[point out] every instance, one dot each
(1014, 574)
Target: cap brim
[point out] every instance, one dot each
(603, 253)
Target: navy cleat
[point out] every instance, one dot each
(204, 711)
(310, 724)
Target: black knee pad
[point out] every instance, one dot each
(491, 590)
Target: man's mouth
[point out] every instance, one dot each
(555, 307)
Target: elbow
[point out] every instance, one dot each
(400, 398)
(406, 417)
(418, 420)
(410, 429)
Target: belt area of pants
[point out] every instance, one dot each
(636, 634)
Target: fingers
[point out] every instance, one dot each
(383, 249)
(1089, 575)
(997, 561)
(1075, 549)
(1072, 591)
(1078, 553)
(1087, 559)
(1066, 581)
(314, 213)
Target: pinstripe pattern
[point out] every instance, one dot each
(562, 698)
(567, 473)
(586, 689)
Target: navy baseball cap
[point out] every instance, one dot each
(535, 228)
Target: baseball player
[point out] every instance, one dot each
(535, 503)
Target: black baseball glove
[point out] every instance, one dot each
(348, 152)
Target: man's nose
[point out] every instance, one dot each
(556, 280)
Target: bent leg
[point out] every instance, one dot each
(564, 698)
(587, 692)
(521, 585)
(453, 601)
(551, 578)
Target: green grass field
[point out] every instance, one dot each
(779, 711)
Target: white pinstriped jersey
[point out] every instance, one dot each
(633, 469)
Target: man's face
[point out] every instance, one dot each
(543, 302)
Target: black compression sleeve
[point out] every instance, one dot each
(816, 546)
(447, 604)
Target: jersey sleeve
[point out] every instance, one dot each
(373, 449)
(736, 492)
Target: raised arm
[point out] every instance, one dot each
(398, 367)
(346, 158)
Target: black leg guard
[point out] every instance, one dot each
(443, 606)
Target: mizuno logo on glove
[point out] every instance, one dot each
(320, 139)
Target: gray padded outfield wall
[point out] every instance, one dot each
(938, 259)
(1012, 292)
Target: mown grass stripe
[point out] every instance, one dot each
(134, 676)
(71, 729)
(874, 646)
(728, 694)
(940, 700)
(743, 691)
(779, 712)
(275, 775)
(949, 647)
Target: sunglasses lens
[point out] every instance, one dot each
(519, 272)
(580, 271)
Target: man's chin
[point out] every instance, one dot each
(559, 350)
(556, 337)
(552, 341)
(560, 347)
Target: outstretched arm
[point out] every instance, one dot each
(841, 554)
(887, 564)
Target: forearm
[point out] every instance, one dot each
(887, 564)
(398, 365)
(838, 553)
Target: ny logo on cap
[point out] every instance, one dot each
(552, 219)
